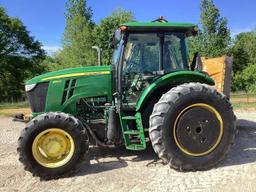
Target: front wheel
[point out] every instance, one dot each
(53, 145)
(192, 127)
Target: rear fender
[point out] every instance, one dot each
(168, 81)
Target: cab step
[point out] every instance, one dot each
(129, 118)
(135, 147)
(132, 132)
(129, 134)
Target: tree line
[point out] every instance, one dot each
(22, 57)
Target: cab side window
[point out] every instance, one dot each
(173, 52)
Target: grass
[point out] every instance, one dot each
(243, 101)
(15, 105)
(244, 106)
(9, 109)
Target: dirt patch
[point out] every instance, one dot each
(10, 112)
(121, 170)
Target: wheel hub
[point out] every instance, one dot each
(53, 148)
(198, 129)
(55, 145)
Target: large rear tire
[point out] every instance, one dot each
(192, 127)
(53, 145)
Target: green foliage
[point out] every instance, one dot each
(78, 38)
(81, 34)
(53, 63)
(244, 62)
(245, 80)
(20, 56)
(244, 51)
(214, 37)
(102, 33)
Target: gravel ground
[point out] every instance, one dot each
(121, 170)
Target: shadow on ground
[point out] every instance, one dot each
(118, 158)
(244, 149)
(242, 152)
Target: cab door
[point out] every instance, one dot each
(141, 60)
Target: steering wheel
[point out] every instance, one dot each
(135, 83)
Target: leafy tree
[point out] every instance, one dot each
(20, 56)
(77, 46)
(214, 37)
(102, 33)
(245, 80)
(77, 39)
(244, 51)
(53, 63)
(244, 62)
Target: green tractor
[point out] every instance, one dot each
(150, 95)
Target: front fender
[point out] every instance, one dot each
(174, 78)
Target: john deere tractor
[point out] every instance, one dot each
(150, 95)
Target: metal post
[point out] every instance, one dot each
(99, 50)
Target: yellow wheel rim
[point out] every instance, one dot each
(218, 116)
(53, 148)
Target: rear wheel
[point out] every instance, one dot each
(53, 145)
(192, 127)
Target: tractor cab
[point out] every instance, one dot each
(145, 51)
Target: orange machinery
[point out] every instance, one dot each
(220, 70)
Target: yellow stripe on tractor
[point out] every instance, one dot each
(77, 74)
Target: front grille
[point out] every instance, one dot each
(37, 97)
(68, 90)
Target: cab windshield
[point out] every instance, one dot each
(143, 52)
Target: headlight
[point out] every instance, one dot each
(29, 87)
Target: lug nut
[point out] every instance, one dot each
(202, 140)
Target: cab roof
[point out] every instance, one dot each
(158, 24)
(189, 28)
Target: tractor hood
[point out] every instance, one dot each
(69, 73)
(60, 90)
